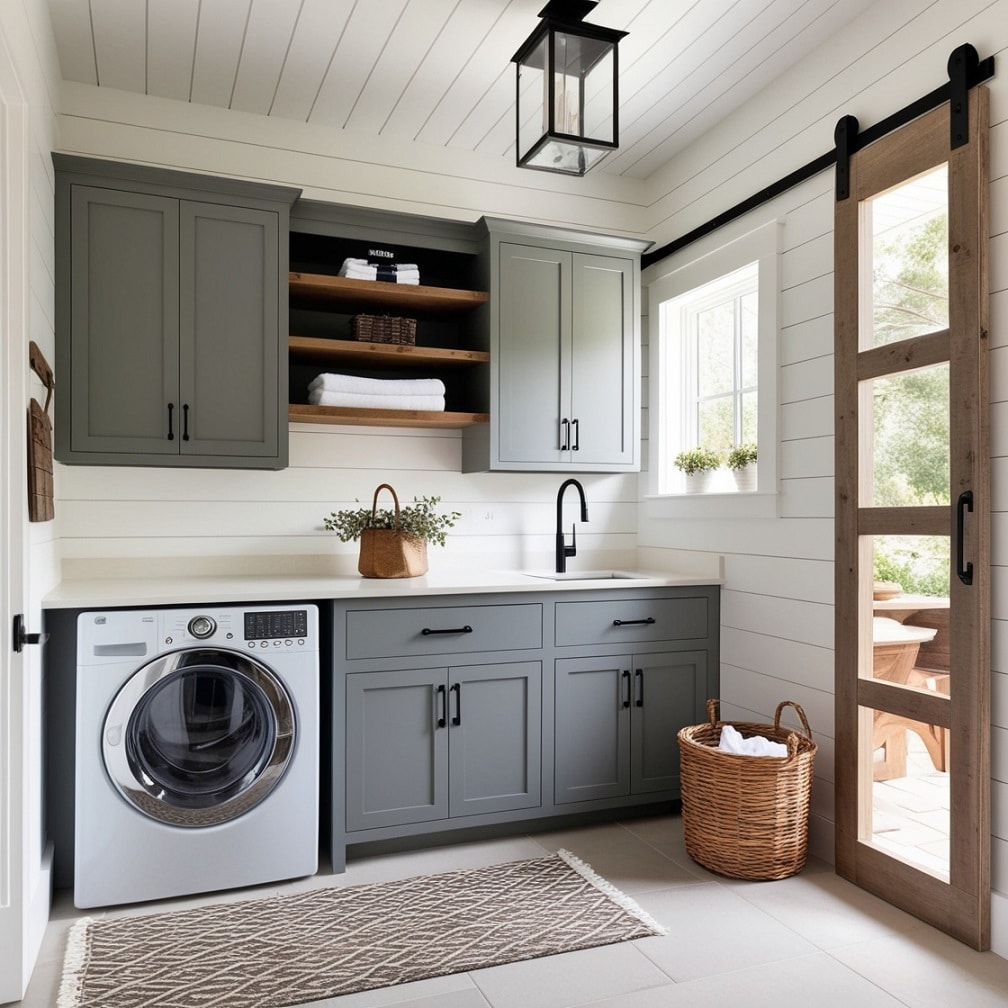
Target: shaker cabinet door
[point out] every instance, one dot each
(396, 748)
(603, 362)
(533, 371)
(230, 395)
(668, 694)
(495, 719)
(592, 728)
(124, 322)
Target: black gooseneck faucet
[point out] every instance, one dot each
(562, 549)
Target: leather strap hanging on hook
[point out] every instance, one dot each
(41, 367)
(40, 465)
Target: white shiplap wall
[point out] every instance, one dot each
(777, 624)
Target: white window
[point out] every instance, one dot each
(713, 369)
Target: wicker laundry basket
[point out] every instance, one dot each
(747, 816)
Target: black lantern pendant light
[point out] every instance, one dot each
(567, 98)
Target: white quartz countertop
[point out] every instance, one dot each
(94, 592)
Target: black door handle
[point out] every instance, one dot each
(565, 434)
(639, 676)
(964, 504)
(443, 697)
(171, 415)
(185, 421)
(21, 638)
(457, 690)
(626, 684)
(576, 424)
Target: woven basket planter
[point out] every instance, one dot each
(747, 816)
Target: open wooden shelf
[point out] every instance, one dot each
(363, 354)
(385, 295)
(384, 418)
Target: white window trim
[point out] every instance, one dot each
(760, 245)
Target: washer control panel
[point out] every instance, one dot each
(276, 628)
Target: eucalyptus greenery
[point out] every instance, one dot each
(419, 519)
(697, 460)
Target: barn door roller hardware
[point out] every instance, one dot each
(965, 70)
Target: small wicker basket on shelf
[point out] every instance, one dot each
(384, 329)
(747, 816)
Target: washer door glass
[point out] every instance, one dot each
(199, 737)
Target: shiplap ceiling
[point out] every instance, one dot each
(438, 71)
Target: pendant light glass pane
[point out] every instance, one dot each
(533, 99)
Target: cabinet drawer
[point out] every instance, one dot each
(639, 620)
(402, 633)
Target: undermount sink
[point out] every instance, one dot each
(591, 575)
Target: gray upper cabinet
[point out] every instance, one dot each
(563, 332)
(171, 318)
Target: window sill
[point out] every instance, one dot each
(755, 504)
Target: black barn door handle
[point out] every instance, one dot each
(964, 504)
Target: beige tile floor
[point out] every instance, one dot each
(811, 939)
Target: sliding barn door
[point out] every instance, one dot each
(912, 524)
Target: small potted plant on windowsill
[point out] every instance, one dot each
(742, 462)
(393, 544)
(698, 465)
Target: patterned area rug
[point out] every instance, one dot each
(289, 950)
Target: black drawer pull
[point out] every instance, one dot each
(633, 622)
(463, 629)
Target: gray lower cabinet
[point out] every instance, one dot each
(471, 712)
(427, 744)
(171, 319)
(617, 719)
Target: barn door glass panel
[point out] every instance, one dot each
(910, 292)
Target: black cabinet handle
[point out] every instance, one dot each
(457, 690)
(639, 676)
(576, 424)
(171, 415)
(427, 631)
(964, 504)
(633, 622)
(185, 421)
(443, 696)
(565, 434)
(626, 684)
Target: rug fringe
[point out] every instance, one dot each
(619, 897)
(74, 962)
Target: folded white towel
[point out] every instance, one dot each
(361, 400)
(733, 742)
(361, 269)
(361, 274)
(377, 386)
(398, 267)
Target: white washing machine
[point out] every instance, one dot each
(197, 750)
